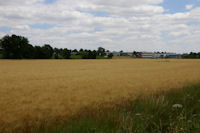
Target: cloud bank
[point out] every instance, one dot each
(123, 24)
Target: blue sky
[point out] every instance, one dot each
(171, 6)
(147, 25)
(49, 1)
(96, 13)
(5, 29)
(175, 6)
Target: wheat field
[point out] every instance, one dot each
(40, 91)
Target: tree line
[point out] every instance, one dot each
(18, 47)
(191, 55)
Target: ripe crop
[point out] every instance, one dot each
(44, 91)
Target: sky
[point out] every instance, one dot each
(128, 25)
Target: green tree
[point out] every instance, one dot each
(66, 53)
(56, 53)
(94, 54)
(15, 47)
(47, 51)
(91, 54)
(0, 44)
(44, 52)
(101, 51)
(84, 54)
(121, 53)
(39, 53)
(110, 55)
(75, 51)
(28, 52)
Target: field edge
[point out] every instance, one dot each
(173, 111)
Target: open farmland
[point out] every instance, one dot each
(42, 91)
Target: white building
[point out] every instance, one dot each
(166, 55)
(172, 55)
(116, 53)
(147, 55)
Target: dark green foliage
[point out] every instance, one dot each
(75, 57)
(57, 53)
(61, 53)
(101, 51)
(66, 53)
(121, 53)
(75, 52)
(110, 55)
(38, 52)
(88, 54)
(18, 47)
(137, 54)
(44, 52)
(48, 51)
(1, 56)
(1, 51)
(28, 52)
(15, 47)
(191, 55)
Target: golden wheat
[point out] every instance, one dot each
(48, 90)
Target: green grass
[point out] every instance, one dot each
(101, 57)
(1, 56)
(152, 114)
(75, 57)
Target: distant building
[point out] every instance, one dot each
(116, 53)
(172, 55)
(159, 55)
(147, 55)
(166, 55)
(122, 53)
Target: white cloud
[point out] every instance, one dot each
(188, 7)
(129, 25)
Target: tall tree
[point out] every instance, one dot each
(15, 47)
(28, 52)
(121, 53)
(66, 53)
(110, 55)
(101, 51)
(48, 51)
(56, 53)
(39, 53)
